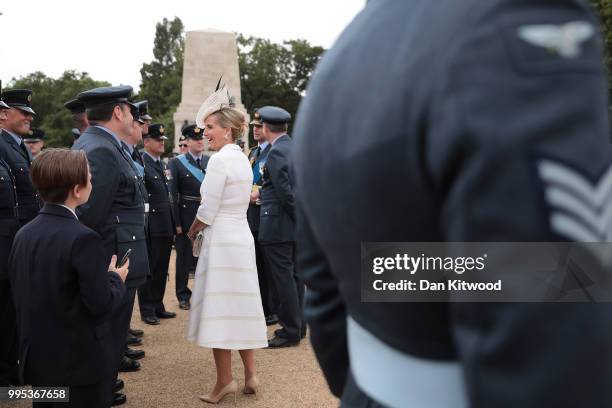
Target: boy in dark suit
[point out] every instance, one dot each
(64, 292)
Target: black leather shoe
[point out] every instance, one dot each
(118, 399)
(271, 319)
(133, 340)
(184, 304)
(118, 385)
(279, 342)
(128, 365)
(136, 332)
(133, 354)
(164, 314)
(152, 320)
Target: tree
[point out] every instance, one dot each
(604, 9)
(162, 77)
(275, 74)
(48, 98)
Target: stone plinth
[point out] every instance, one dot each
(208, 55)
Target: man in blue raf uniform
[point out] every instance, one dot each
(9, 224)
(35, 141)
(277, 228)
(14, 151)
(116, 208)
(187, 172)
(257, 158)
(129, 145)
(462, 124)
(162, 225)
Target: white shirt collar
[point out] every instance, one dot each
(70, 209)
(196, 157)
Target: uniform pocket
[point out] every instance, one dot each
(270, 209)
(130, 233)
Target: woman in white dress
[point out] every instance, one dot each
(226, 312)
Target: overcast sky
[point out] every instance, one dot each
(110, 39)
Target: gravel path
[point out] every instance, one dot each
(174, 372)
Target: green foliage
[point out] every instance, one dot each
(162, 77)
(48, 98)
(604, 9)
(275, 74)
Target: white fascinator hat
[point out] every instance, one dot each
(215, 102)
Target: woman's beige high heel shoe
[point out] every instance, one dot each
(231, 388)
(251, 386)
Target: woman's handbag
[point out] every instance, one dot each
(197, 243)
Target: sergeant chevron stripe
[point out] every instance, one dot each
(582, 211)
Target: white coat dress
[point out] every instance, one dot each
(226, 310)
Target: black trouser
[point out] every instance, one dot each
(84, 396)
(279, 258)
(8, 338)
(185, 263)
(151, 293)
(120, 322)
(265, 280)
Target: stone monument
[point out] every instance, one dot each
(208, 55)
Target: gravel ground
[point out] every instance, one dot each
(174, 372)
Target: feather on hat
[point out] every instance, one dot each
(218, 100)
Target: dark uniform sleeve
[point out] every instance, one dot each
(101, 291)
(324, 308)
(172, 165)
(105, 180)
(278, 169)
(506, 107)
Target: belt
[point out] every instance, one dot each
(9, 212)
(191, 198)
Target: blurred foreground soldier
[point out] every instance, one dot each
(14, 151)
(277, 227)
(79, 117)
(35, 141)
(161, 225)
(450, 140)
(257, 158)
(64, 296)
(187, 172)
(116, 208)
(9, 224)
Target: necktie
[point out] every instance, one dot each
(25, 149)
(159, 165)
(199, 163)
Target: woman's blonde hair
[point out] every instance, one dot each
(232, 119)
